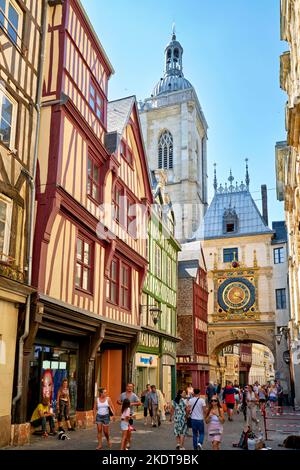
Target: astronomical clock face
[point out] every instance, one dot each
(236, 295)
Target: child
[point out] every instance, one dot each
(126, 428)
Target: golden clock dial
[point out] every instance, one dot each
(236, 295)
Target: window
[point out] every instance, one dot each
(7, 113)
(230, 254)
(125, 283)
(126, 152)
(169, 272)
(113, 282)
(83, 279)
(279, 255)
(10, 20)
(229, 228)
(131, 217)
(96, 101)
(280, 299)
(157, 261)
(119, 284)
(5, 225)
(117, 201)
(93, 185)
(165, 150)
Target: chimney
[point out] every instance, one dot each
(264, 198)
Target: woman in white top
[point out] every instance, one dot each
(252, 400)
(102, 409)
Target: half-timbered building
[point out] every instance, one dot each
(93, 193)
(20, 62)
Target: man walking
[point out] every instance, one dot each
(153, 406)
(145, 401)
(228, 397)
(197, 410)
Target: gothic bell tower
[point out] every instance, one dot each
(175, 134)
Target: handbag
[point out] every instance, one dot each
(110, 412)
(189, 419)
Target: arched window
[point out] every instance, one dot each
(165, 150)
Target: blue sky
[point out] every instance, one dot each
(231, 56)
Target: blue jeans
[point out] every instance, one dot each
(198, 428)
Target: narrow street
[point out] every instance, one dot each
(145, 438)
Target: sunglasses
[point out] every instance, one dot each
(214, 401)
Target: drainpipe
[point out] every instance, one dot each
(32, 208)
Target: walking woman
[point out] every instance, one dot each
(215, 419)
(63, 406)
(180, 410)
(273, 395)
(252, 400)
(102, 409)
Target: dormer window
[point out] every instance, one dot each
(230, 221)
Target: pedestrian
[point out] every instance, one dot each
(145, 401)
(252, 400)
(43, 414)
(215, 419)
(161, 405)
(180, 410)
(197, 407)
(228, 397)
(126, 419)
(262, 396)
(210, 391)
(189, 390)
(237, 398)
(153, 406)
(103, 409)
(63, 406)
(244, 402)
(273, 395)
(133, 400)
(279, 396)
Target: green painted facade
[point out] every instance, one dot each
(160, 290)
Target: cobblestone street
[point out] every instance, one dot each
(145, 438)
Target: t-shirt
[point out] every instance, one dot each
(228, 394)
(42, 408)
(198, 409)
(125, 414)
(133, 399)
(153, 398)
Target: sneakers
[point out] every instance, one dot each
(199, 446)
(178, 447)
(182, 448)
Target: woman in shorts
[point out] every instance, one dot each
(102, 410)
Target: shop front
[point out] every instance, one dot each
(51, 362)
(146, 371)
(190, 371)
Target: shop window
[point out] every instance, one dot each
(83, 279)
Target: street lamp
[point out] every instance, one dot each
(154, 311)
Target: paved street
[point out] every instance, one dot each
(145, 438)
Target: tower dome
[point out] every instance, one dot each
(173, 79)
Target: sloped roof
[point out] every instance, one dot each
(250, 221)
(188, 268)
(118, 113)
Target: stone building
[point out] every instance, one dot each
(262, 367)
(288, 174)
(175, 134)
(239, 256)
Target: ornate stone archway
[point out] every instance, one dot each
(220, 335)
